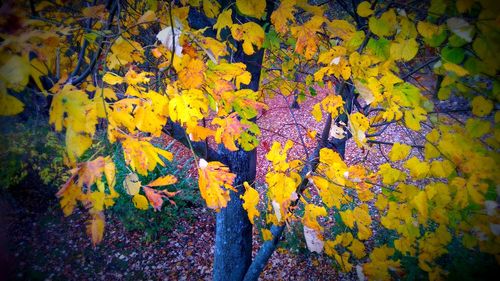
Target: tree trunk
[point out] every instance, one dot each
(233, 240)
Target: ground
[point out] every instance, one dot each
(42, 244)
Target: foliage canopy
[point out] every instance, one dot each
(137, 69)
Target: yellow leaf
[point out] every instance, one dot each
(147, 17)
(132, 184)
(364, 9)
(420, 202)
(251, 34)
(112, 78)
(251, 199)
(343, 261)
(389, 174)
(358, 124)
(427, 29)
(418, 170)
(348, 218)
(252, 8)
(399, 152)
(228, 131)
(95, 228)
(307, 40)
(457, 69)
(281, 16)
(140, 202)
(267, 234)
(224, 20)
(384, 26)
(142, 156)
(161, 181)
(211, 8)
(124, 51)
(404, 50)
(9, 105)
(15, 72)
(76, 144)
(311, 214)
(215, 180)
(316, 112)
(481, 106)
(188, 107)
(357, 248)
(441, 169)
(414, 117)
(192, 75)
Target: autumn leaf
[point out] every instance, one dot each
(311, 214)
(252, 8)
(251, 199)
(314, 240)
(155, 197)
(161, 181)
(399, 152)
(481, 106)
(15, 72)
(283, 15)
(9, 105)
(132, 184)
(224, 20)
(228, 131)
(267, 235)
(140, 202)
(307, 40)
(95, 228)
(188, 107)
(215, 181)
(364, 9)
(251, 34)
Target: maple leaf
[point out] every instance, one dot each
(358, 124)
(311, 214)
(228, 131)
(124, 51)
(215, 180)
(224, 20)
(211, 8)
(252, 8)
(307, 41)
(399, 152)
(251, 34)
(188, 107)
(414, 117)
(191, 73)
(251, 199)
(281, 16)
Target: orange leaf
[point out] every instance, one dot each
(215, 180)
(166, 180)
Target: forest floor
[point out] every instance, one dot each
(45, 245)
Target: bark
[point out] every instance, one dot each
(233, 241)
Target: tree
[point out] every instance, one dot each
(384, 64)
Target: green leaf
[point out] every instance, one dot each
(454, 55)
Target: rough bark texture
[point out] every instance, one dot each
(233, 242)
